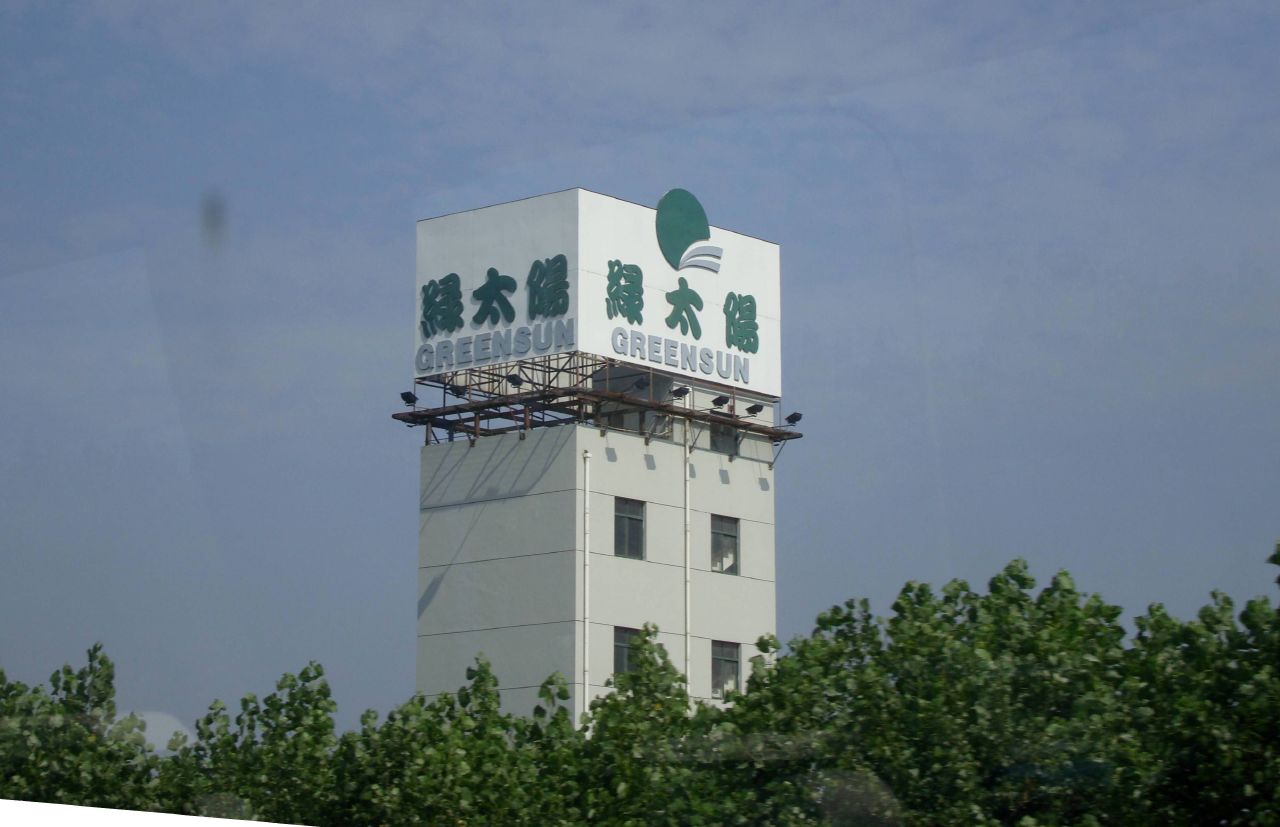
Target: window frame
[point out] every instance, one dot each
(623, 524)
(736, 568)
(624, 638)
(719, 690)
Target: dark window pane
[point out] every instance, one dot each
(724, 525)
(619, 535)
(628, 528)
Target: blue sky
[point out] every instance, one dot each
(1030, 292)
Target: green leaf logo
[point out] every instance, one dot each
(682, 223)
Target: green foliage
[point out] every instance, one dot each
(450, 761)
(66, 745)
(970, 708)
(1211, 698)
(631, 766)
(1008, 706)
(272, 761)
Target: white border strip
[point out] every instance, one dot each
(36, 812)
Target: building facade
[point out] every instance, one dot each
(594, 472)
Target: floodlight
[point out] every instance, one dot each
(680, 392)
(409, 398)
(793, 418)
(515, 379)
(458, 391)
(720, 401)
(641, 383)
(752, 410)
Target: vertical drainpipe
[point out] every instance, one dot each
(688, 451)
(586, 579)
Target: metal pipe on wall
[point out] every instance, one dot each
(586, 579)
(688, 452)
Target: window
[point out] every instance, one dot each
(628, 528)
(725, 664)
(640, 385)
(724, 544)
(616, 419)
(623, 638)
(657, 426)
(724, 439)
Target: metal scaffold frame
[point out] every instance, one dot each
(546, 391)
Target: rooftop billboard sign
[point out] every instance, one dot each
(580, 271)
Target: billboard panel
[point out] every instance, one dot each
(577, 270)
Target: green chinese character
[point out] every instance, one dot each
(740, 327)
(493, 301)
(683, 302)
(441, 306)
(624, 295)
(548, 286)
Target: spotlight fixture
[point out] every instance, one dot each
(680, 392)
(515, 379)
(752, 410)
(641, 383)
(720, 401)
(409, 398)
(793, 418)
(458, 391)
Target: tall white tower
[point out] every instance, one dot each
(598, 384)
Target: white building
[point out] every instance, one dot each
(599, 450)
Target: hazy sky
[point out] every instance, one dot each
(1030, 297)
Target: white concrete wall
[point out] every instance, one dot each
(502, 565)
(498, 551)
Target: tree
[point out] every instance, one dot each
(272, 761)
(1009, 708)
(962, 707)
(67, 745)
(1208, 712)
